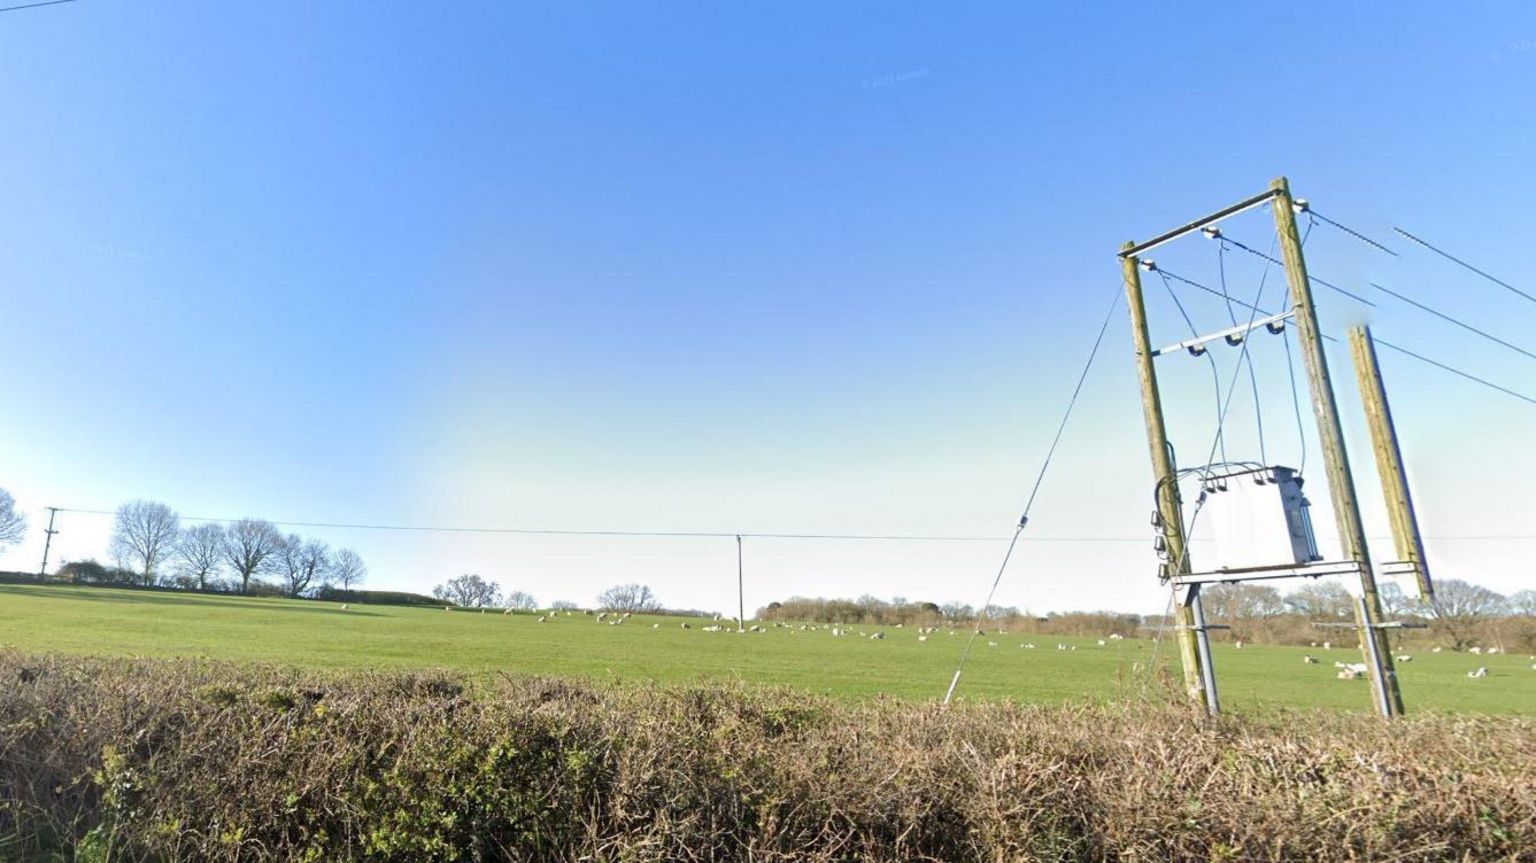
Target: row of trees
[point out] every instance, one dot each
(472, 591)
(152, 548)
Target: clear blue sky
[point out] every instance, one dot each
(790, 268)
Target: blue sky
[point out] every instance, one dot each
(773, 269)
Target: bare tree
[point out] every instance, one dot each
(1324, 599)
(1459, 606)
(563, 605)
(519, 600)
(469, 590)
(1523, 602)
(347, 569)
(13, 525)
(248, 548)
(302, 561)
(628, 597)
(143, 535)
(200, 552)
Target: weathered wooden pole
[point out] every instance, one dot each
(1389, 459)
(1169, 509)
(1341, 483)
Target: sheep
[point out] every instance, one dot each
(1327, 645)
(685, 625)
(343, 606)
(1028, 645)
(1474, 650)
(836, 632)
(1060, 646)
(991, 644)
(925, 638)
(447, 608)
(1434, 650)
(655, 626)
(1351, 674)
(1102, 642)
(1404, 657)
(541, 618)
(601, 616)
(1309, 659)
(877, 636)
(1237, 645)
(1480, 672)
(1115, 636)
(755, 628)
(626, 616)
(1492, 650)
(506, 611)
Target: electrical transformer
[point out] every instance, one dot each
(1260, 518)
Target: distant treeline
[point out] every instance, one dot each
(1462, 615)
(125, 580)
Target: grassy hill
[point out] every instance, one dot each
(320, 635)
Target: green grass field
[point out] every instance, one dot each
(142, 623)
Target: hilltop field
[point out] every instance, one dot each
(320, 636)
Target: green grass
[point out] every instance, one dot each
(122, 622)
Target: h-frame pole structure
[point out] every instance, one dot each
(1192, 630)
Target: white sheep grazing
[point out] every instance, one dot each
(541, 618)
(447, 608)
(1238, 645)
(1481, 672)
(755, 628)
(1060, 646)
(601, 615)
(836, 632)
(655, 626)
(1309, 659)
(1327, 645)
(506, 611)
(991, 644)
(343, 606)
(1492, 650)
(1404, 657)
(1351, 674)
(1474, 650)
(922, 638)
(1115, 636)
(626, 615)
(1434, 650)
(1028, 646)
(1102, 642)
(877, 636)
(685, 625)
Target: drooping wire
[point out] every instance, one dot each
(1034, 491)
(1253, 378)
(1452, 320)
(1215, 372)
(1450, 257)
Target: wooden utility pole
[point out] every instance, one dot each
(1389, 459)
(1170, 511)
(741, 592)
(47, 541)
(1341, 483)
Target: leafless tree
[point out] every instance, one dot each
(563, 605)
(628, 597)
(1322, 600)
(143, 535)
(302, 561)
(519, 600)
(469, 590)
(248, 548)
(347, 569)
(1459, 606)
(200, 552)
(13, 525)
(1523, 602)
(1238, 604)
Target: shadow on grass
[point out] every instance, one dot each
(254, 603)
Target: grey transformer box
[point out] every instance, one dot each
(1259, 516)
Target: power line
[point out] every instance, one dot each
(1450, 257)
(1350, 231)
(1311, 278)
(1447, 318)
(1402, 350)
(33, 5)
(1455, 371)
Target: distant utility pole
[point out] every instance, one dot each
(741, 595)
(47, 541)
